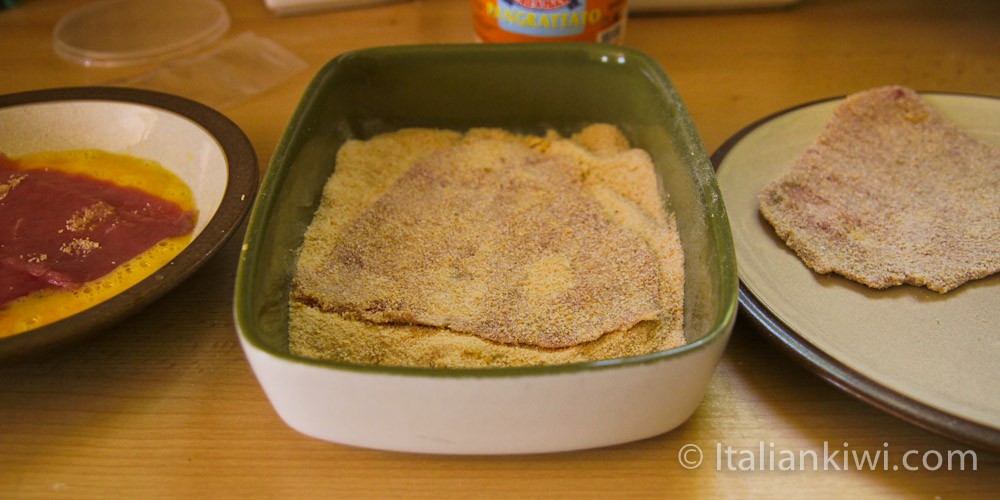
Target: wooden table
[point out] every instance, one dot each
(166, 405)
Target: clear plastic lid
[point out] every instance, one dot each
(122, 32)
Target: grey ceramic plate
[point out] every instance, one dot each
(928, 358)
(201, 146)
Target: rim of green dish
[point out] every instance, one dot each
(709, 190)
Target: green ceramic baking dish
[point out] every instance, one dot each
(520, 87)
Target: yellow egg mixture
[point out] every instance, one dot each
(47, 306)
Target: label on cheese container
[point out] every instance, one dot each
(498, 21)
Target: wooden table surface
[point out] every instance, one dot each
(166, 405)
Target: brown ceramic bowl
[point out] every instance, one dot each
(201, 146)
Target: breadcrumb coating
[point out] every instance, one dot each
(892, 192)
(433, 248)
